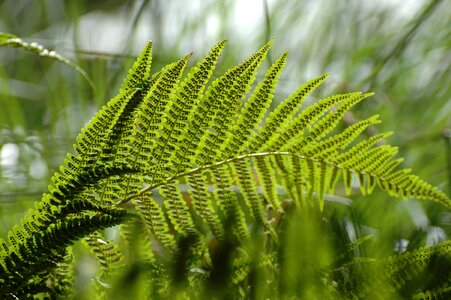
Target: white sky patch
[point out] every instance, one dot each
(107, 31)
(102, 32)
(350, 230)
(435, 236)
(407, 9)
(38, 168)
(9, 162)
(401, 246)
(9, 156)
(417, 214)
(212, 26)
(247, 15)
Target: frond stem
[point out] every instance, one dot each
(212, 166)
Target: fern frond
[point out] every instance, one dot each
(140, 71)
(96, 134)
(251, 197)
(154, 123)
(228, 203)
(442, 292)
(202, 164)
(268, 181)
(222, 102)
(177, 209)
(26, 259)
(295, 127)
(153, 216)
(201, 201)
(61, 279)
(394, 272)
(330, 146)
(68, 198)
(117, 149)
(189, 119)
(319, 129)
(285, 111)
(130, 144)
(107, 253)
(254, 109)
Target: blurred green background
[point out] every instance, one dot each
(398, 49)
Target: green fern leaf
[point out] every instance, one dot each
(190, 119)
(107, 253)
(254, 109)
(264, 167)
(201, 201)
(394, 272)
(296, 127)
(153, 216)
(26, 259)
(154, 122)
(318, 130)
(285, 112)
(177, 209)
(222, 102)
(250, 195)
(201, 164)
(228, 202)
(140, 71)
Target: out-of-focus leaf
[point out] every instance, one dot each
(11, 40)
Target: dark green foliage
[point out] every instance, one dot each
(224, 197)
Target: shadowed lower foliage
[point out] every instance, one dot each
(218, 196)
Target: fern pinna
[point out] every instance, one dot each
(195, 173)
